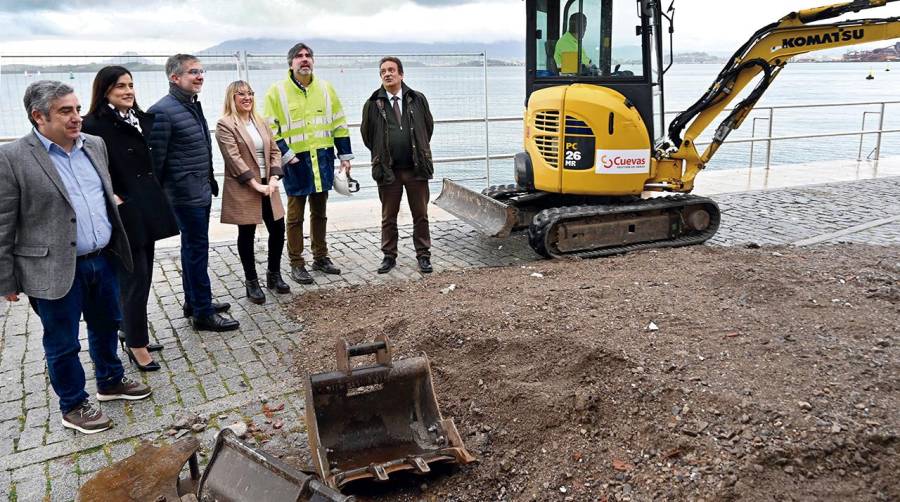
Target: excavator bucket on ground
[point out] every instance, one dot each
(150, 475)
(235, 473)
(238, 473)
(490, 217)
(370, 421)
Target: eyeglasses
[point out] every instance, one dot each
(196, 71)
(245, 94)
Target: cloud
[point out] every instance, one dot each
(53, 5)
(214, 8)
(22, 26)
(81, 26)
(467, 22)
(203, 23)
(699, 26)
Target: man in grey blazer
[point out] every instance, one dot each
(59, 229)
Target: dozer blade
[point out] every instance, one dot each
(238, 473)
(488, 216)
(371, 421)
(151, 474)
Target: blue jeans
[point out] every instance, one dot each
(94, 292)
(193, 222)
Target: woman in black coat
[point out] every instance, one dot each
(145, 212)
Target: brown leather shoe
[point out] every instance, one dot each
(86, 418)
(300, 275)
(325, 265)
(125, 389)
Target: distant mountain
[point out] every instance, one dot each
(698, 57)
(130, 57)
(509, 50)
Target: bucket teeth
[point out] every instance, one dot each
(421, 465)
(379, 472)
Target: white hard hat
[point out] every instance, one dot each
(343, 183)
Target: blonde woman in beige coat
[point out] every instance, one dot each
(250, 195)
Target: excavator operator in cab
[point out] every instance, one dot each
(567, 46)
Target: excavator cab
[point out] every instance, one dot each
(614, 39)
(591, 76)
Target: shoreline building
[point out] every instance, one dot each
(887, 54)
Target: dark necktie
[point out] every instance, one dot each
(395, 99)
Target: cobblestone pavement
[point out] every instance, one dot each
(225, 377)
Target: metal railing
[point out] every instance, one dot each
(467, 74)
(875, 154)
(255, 68)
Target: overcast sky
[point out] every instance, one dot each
(164, 26)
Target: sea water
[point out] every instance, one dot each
(459, 93)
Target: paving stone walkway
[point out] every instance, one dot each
(226, 377)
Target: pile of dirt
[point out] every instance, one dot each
(694, 373)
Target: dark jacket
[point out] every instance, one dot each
(145, 211)
(374, 131)
(182, 151)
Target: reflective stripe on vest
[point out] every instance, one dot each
(285, 111)
(317, 175)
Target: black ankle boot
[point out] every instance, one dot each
(255, 293)
(276, 283)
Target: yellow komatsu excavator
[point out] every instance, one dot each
(589, 153)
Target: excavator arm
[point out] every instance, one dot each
(765, 54)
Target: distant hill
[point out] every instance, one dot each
(498, 52)
(509, 50)
(698, 57)
(130, 57)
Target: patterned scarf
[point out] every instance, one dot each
(128, 117)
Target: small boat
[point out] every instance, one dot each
(871, 75)
(887, 69)
(71, 76)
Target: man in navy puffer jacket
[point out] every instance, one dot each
(182, 159)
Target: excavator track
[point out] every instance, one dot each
(589, 231)
(504, 192)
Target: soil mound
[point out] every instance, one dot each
(694, 373)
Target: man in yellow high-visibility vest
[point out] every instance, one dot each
(308, 122)
(569, 41)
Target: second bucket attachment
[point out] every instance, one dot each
(238, 473)
(371, 421)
